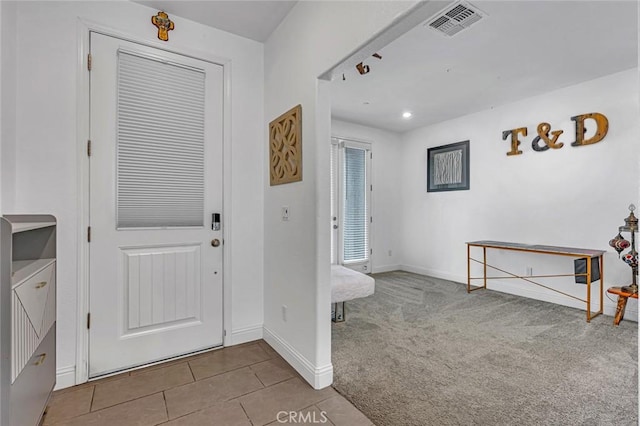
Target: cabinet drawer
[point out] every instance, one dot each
(33, 313)
(31, 390)
(34, 293)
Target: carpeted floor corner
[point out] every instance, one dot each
(421, 351)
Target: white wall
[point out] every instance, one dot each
(312, 38)
(385, 200)
(48, 154)
(573, 196)
(3, 35)
(8, 102)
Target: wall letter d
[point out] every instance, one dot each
(601, 130)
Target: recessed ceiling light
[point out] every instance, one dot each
(365, 103)
(406, 114)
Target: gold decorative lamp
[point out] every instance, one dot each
(631, 257)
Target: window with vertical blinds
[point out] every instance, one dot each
(160, 143)
(355, 220)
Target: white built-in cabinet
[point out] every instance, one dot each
(27, 317)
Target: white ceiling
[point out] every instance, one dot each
(520, 49)
(252, 19)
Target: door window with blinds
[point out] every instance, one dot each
(351, 204)
(160, 143)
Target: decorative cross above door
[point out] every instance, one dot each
(164, 24)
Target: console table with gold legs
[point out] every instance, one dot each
(589, 255)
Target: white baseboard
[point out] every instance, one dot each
(434, 273)
(246, 334)
(65, 377)
(385, 268)
(631, 312)
(318, 377)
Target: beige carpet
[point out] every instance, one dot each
(421, 351)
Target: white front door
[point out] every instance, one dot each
(155, 183)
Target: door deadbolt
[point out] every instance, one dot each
(215, 242)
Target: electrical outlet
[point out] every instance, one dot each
(285, 213)
(284, 313)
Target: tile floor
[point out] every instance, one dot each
(248, 384)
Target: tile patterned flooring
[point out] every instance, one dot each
(248, 384)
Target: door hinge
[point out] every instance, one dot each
(89, 58)
(370, 219)
(371, 188)
(88, 320)
(225, 333)
(370, 251)
(371, 155)
(89, 234)
(89, 148)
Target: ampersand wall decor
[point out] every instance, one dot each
(543, 133)
(549, 139)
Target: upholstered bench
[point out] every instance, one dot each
(347, 284)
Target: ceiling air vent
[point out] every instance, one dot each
(455, 19)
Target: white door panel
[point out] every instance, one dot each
(161, 287)
(155, 291)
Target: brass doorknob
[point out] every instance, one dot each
(215, 242)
